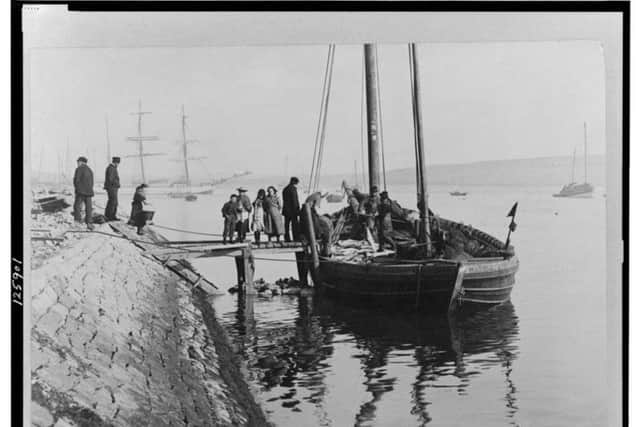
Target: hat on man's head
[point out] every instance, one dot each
(82, 159)
(241, 189)
(294, 180)
(374, 188)
(115, 160)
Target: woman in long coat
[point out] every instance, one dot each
(273, 221)
(258, 225)
(138, 217)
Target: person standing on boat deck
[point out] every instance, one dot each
(291, 210)
(322, 226)
(83, 186)
(245, 204)
(385, 224)
(112, 184)
(370, 207)
(138, 217)
(259, 214)
(274, 226)
(230, 215)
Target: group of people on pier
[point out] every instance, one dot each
(83, 190)
(267, 214)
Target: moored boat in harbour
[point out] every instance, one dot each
(435, 262)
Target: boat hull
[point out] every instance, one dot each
(576, 191)
(422, 285)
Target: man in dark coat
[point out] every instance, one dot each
(291, 210)
(111, 184)
(83, 185)
(230, 211)
(384, 222)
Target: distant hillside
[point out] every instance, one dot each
(519, 172)
(538, 171)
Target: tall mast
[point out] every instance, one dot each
(585, 151)
(424, 232)
(140, 139)
(355, 173)
(106, 126)
(67, 159)
(573, 168)
(184, 148)
(371, 79)
(185, 152)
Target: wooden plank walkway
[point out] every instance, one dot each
(149, 242)
(185, 249)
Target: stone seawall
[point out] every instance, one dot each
(118, 340)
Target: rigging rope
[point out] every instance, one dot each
(324, 122)
(384, 169)
(362, 126)
(320, 131)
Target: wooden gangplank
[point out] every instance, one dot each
(185, 249)
(150, 241)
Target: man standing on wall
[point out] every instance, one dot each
(111, 184)
(291, 210)
(83, 185)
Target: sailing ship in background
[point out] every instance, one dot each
(457, 193)
(183, 189)
(469, 266)
(574, 189)
(178, 189)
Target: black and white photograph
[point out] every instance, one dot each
(345, 216)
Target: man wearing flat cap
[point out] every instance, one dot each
(83, 185)
(111, 184)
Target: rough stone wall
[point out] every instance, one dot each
(117, 340)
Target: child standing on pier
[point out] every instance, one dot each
(230, 215)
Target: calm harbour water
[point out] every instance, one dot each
(536, 361)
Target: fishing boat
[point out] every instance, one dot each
(49, 203)
(458, 193)
(440, 263)
(574, 189)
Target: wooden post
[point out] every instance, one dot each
(371, 79)
(247, 260)
(311, 234)
(240, 271)
(303, 271)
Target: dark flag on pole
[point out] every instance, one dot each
(512, 225)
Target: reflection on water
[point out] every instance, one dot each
(317, 362)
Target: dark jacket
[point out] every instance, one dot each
(111, 177)
(230, 211)
(290, 203)
(83, 181)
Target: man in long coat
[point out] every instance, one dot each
(83, 185)
(111, 184)
(291, 210)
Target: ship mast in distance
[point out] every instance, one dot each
(185, 152)
(140, 139)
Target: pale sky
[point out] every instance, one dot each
(251, 106)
